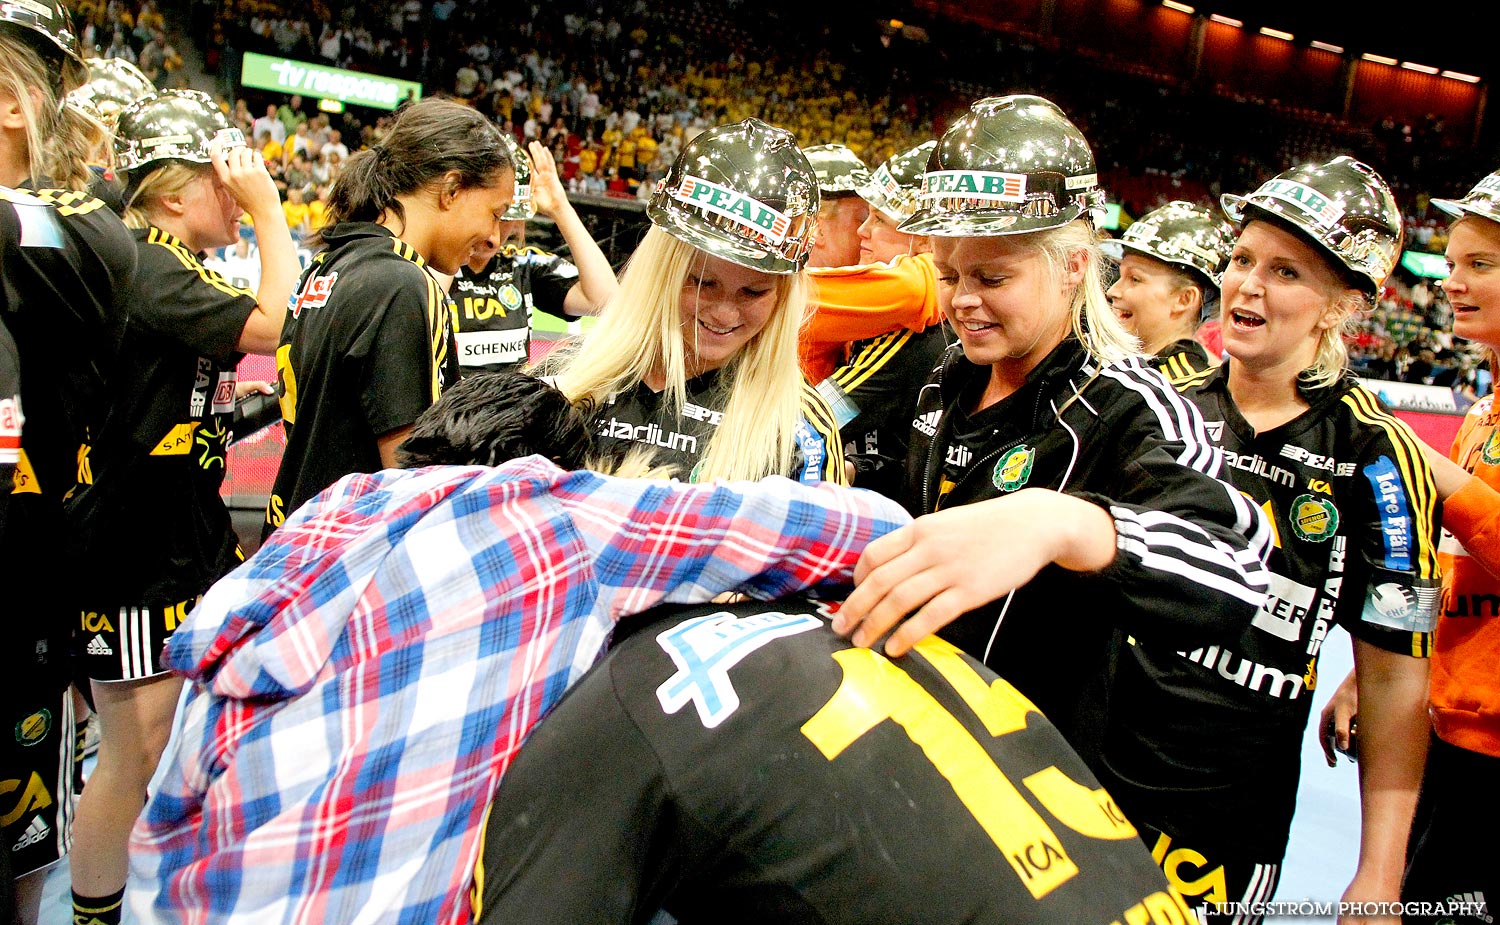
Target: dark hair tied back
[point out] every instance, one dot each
(429, 139)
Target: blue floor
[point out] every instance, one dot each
(1325, 833)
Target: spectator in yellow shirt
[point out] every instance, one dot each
(317, 210)
(645, 150)
(296, 212)
(625, 159)
(588, 158)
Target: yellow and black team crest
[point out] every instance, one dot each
(510, 297)
(34, 728)
(1314, 519)
(1490, 452)
(1014, 468)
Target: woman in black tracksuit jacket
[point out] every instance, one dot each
(1063, 489)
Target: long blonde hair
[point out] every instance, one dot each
(640, 332)
(1093, 322)
(58, 137)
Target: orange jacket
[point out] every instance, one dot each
(868, 300)
(1466, 653)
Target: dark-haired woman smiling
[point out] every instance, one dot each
(368, 344)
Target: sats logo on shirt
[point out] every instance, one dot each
(314, 293)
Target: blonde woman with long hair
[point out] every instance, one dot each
(1353, 506)
(66, 261)
(1064, 490)
(696, 357)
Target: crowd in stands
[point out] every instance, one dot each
(136, 32)
(616, 90)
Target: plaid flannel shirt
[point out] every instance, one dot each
(358, 686)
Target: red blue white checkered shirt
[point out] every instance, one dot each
(357, 688)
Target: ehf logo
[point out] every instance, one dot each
(742, 210)
(314, 294)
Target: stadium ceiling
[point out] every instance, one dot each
(1451, 36)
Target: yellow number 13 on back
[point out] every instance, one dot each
(874, 690)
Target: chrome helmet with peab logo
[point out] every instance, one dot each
(744, 192)
(1011, 165)
(1343, 206)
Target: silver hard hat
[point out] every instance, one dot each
(1343, 205)
(180, 125)
(113, 84)
(1483, 200)
(1182, 234)
(522, 206)
(894, 187)
(1010, 165)
(47, 27)
(744, 192)
(840, 171)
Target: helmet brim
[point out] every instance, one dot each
(732, 248)
(876, 199)
(985, 223)
(1116, 249)
(1244, 211)
(1459, 208)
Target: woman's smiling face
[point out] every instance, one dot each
(723, 307)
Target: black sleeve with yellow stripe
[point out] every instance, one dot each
(822, 436)
(185, 301)
(1182, 359)
(1400, 517)
(874, 398)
